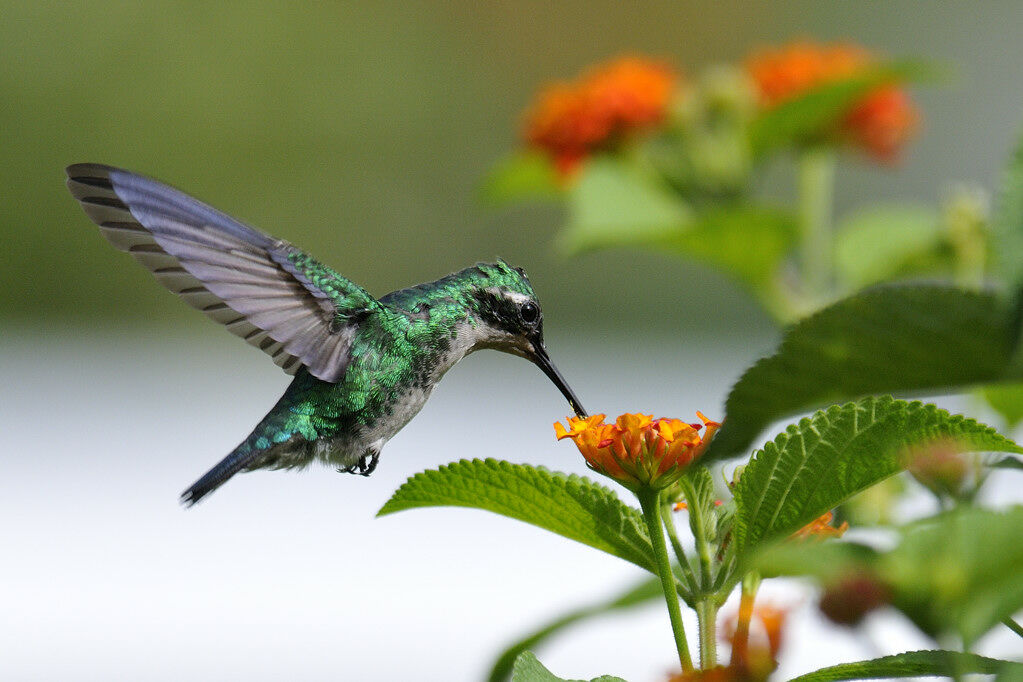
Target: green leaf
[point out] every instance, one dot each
(817, 464)
(1007, 222)
(815, 113)
(522, 176)
(642, 593)
(572, 506)
(879, 242)
(892, 339)
(748, 241)
(1007, 401)
(529, 669)
(959, 572)
(910, 664)
(1008, 462)
(613, 203)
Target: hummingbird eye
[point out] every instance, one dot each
(529, 312)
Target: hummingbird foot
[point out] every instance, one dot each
(365, 466)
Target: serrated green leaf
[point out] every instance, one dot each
(529, 669)
(817, 112)
(892, 339)
(878, 242)
(909, 664)
(960, 572)
(572, 506)
(612, 202)
(646, 591)
(522, 176)
(815, 465)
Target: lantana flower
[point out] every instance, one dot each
(880, 123)
(570, 120)
(638, 450)
(821, 528)
(753, 659)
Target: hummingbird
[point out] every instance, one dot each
(362, 366)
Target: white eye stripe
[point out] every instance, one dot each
(513, 296)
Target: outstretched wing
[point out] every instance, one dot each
(262, 289)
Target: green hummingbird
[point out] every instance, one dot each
(363, 366)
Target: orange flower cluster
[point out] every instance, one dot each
(821, 529)
(880, 123)
(638, 450)
(571, 120)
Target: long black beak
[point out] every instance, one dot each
(543, 361)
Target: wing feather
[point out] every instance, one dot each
(262, 289)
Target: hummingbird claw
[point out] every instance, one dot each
(365, 466)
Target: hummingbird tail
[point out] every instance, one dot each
(241, 457)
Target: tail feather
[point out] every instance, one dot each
(239, 459)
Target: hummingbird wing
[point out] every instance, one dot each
(262, 289)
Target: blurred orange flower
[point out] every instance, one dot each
(880, 123)
(571, 120)
(821, 528)
(751, 661)
(638, 450)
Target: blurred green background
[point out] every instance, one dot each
(360, 132)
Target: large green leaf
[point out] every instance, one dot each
(529, 669)
(881, 241)
(962, 572)
(817, 464)
(910, 664)
(892, 339)
(642, 593)
(613, 202)
(816, 112)
(522, 176)
(572, 506)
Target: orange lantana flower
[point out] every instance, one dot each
(880, 123)
(754, 658)
(821, 528)
(638, 450)
(571, 120)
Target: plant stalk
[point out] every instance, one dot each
(650, 502)
(740, 641)
(688, 578)
(816, 194)
(1014, 626)
(707, 613)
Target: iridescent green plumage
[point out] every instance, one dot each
(363, 367)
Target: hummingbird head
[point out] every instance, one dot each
(510, 319)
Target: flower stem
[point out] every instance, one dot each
(1014, 626)
(740, 641)
(816, 190)
(707, 612)
(680, 553)
(649, 501)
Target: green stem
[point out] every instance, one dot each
(707, 613)
(816, 191)
(688, 578)
(1014, 626)
(698, 524)
(649, 501)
